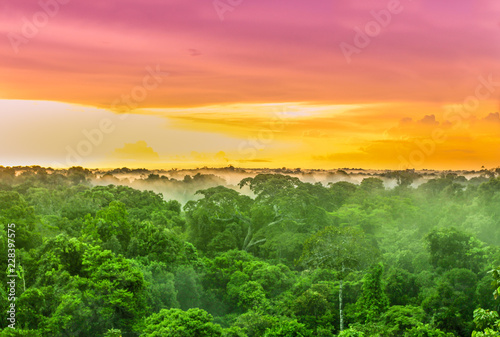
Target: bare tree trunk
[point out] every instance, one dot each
(340, 299)
(340, 307)
(248, 236)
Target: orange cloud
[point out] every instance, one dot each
(139, 151)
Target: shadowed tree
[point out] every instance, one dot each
(451, 248)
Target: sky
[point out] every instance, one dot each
(382, 84)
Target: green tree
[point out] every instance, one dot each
(15, 210)
(267, 186)
(451, 248)
(179, 323)
(402, 287)
(188, 287)
(373, 301)
(110, 227)
(160, 286)
(255, 324)
(399, 319)
(452, 302)
(81, 290)
(288, 328)
(487, 322)
(341, 191)
(219, 221)
(343, 249)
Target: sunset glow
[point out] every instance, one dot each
(163, 84)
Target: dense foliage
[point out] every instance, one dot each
(272, 256)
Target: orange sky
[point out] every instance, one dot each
(287, 83)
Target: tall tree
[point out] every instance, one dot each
(341, 248)
(373, 302)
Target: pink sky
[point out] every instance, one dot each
(89, 53)
(263, 51)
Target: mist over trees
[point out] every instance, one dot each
(233, 252)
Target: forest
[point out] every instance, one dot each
(273, 255)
